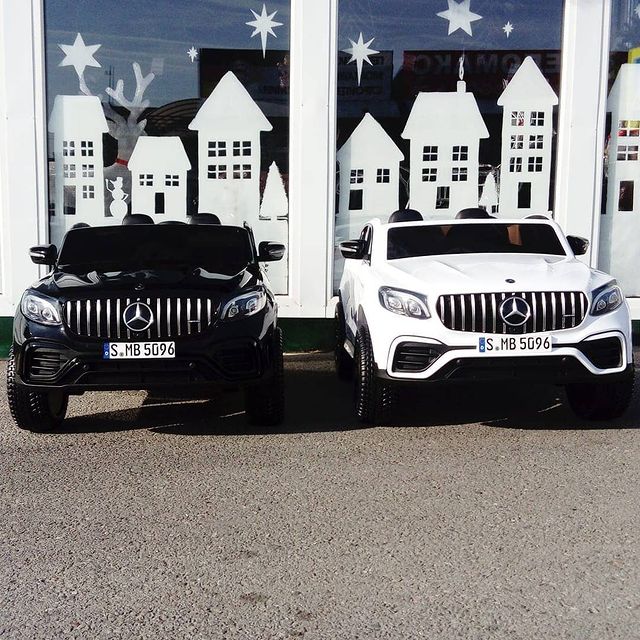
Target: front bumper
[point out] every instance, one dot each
(238, 354)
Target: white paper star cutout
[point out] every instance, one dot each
(508, 28)
(263, 25)
(360, 52)
(79, 56)
(459, 16)
(192, 53)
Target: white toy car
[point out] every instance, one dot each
(479, 298)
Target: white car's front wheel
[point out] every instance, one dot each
(374, 398)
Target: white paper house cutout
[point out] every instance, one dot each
(445, 129)
(159, 168)
(620, 226)
(369, 178)
(229, 124)
(527, 128)
(77, 124)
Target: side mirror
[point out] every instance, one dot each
(44, 254)
(578, 245)
(270, 251)
(351, 249)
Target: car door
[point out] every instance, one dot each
(359, 272)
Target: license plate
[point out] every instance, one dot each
(134, 350)
(515, 345)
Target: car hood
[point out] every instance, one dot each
(474, 273)
(68, 284)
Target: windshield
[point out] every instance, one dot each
(434, 240)
(218, 249)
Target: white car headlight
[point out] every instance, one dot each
(245, 305)
(606, 299)
(404, 303)
(40, 309)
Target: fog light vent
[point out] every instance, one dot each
(414, 357)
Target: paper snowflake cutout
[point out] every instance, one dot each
(459, 16)
(360, 53)
(79, 55)
(192, 53)
(263, 25)
(508, 28)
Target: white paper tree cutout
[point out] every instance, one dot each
(445, 129)
(527, 130)
(489, 195)
(620, 226)
(360, 53)
(80, 56)
(264, 25)
(159, 168)
(459, 16)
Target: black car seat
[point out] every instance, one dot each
(204, 218)
(137, 218)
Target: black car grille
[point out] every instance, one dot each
(172, 317)
(414, 357)
(480, 312)
(43, 365)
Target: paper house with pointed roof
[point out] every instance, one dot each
(527, 130)
(445, 129)
(159, 168)
(369, 178)
(229, 124)
(77, 124)
(620, 226)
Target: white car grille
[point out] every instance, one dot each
(480, 312)
(172, 317)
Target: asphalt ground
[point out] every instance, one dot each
(482, 512)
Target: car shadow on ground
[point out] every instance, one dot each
(318, 401)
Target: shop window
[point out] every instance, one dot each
(382, 176)
(242, 148)
(69, 170)
(88, 191)
(517, 142)
(515, 165)
(86, 147)
(536, 142)
(625, 195)
(146, 180)
(88, 171)
(430, 154)
(517, 118)
(217, 172)
(460, 153)
(68, 148)
(357, 176)
(459, 174)
(535, 164)
(355, 199)
(537, 119)
(429, 175)
(442, 197)
(524, 195)
(217, 149)
(171, 180)
(627, 152)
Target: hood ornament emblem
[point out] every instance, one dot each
(139, 286)
(138, 316)
(515, 311)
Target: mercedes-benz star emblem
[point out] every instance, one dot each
(138, 316)
(515, 311)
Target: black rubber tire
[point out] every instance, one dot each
(600, 401)
(374, 398)
(343, 361)
(36, 411)
(264, 403)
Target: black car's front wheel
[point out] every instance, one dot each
(34, 410)
(264, 403)
(600, 400)
(374, 398)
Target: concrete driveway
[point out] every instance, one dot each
(483, 513)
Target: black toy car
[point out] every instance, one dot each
(148, 307)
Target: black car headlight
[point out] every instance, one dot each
(248, 304)
(40, 309)
(606, 299)
(404, 303)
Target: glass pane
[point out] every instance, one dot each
(169, 113)
(620, 219)
(456, 100)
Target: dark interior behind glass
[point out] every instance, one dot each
(433, 240)
(216, 248)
